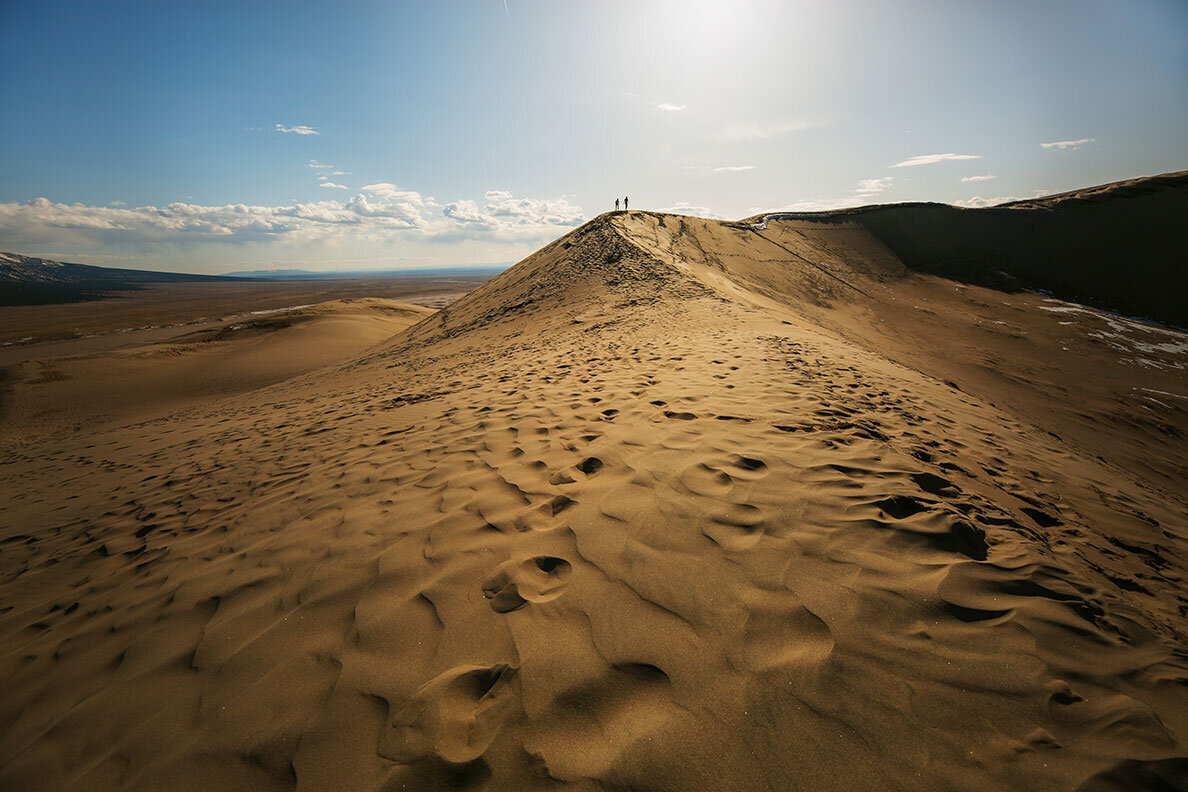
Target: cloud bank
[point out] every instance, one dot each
(379, 212)
(502, 213)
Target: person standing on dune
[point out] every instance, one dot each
(616, 204)
(624, 203)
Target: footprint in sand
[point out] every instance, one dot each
(900, 507)
(736, 526)
(1042, 518)
(590, 465)
(518, 582)
(454, 717)
(935, 485)
(714, 477)
(706, 479)
(746, 468)
(544, 516)
(932, 526)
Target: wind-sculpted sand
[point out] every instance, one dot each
(670, 505)
(101, 380)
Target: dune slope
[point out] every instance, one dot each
(139, 381)
(1116, 246)
(670, 505)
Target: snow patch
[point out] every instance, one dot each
(279, 310)
(1139, 342)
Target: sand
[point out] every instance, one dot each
(189, 305)
(119, 378)
(670, 505)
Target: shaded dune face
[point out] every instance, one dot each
(663, 507)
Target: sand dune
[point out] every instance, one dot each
(137, 382)
(1116, 246)
(163, 306)
(670, 505)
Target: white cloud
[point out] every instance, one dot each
(987, 177)
(670, 108)
(464, 211)
(978, 202)
(388, 213)
(763, 131)
(929, 159)
(384, 211)
(119, 203)
(325, 172)
(390, 192)
(733, 168)
(872, 186)
(40, 221)
(861, 195)
(1069, 145)
(683, 208)
(531, 211)
(297, 130)
(504, 215)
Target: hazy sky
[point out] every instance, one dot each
(211, 136)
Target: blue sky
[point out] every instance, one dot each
(218, 136)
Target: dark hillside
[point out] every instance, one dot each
(1117, 247)
(27, 280)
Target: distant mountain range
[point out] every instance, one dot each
(301, 274)
(28, 280)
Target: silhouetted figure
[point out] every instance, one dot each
(616, 204)
(624, 203)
